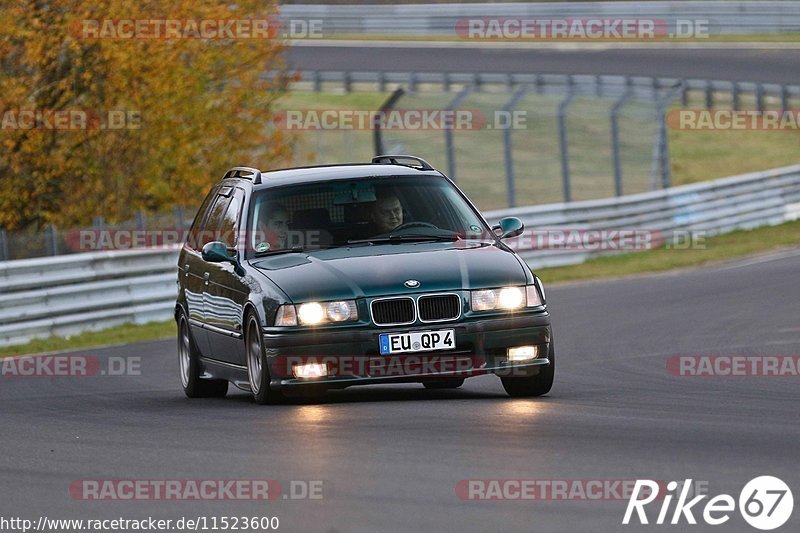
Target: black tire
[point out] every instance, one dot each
(537, 385)
(189, 366)
(449, 383)
(257, 368)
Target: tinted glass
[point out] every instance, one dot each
(334, 213)
(229, 223)
(210, 231)
(197, 224)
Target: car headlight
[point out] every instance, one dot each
(314, 313)
(506, 298)
(310, 313)
(484, 300)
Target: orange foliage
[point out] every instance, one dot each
(183, 110)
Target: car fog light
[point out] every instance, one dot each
(522, 353)
(310, 371)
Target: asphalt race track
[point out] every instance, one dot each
(717, 63)
(390, 457)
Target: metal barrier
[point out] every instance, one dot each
(720, 206)
(729, 17)
(68, 294)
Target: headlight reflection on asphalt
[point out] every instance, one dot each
(312, 414)
(521, 408)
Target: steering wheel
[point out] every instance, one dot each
(415, 225)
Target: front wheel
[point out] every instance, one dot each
(257, 369)
(188, 358)
(537, 385)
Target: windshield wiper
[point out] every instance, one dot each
(298, 250)
(278, 251)
(408, 237)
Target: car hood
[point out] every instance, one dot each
(379, 270)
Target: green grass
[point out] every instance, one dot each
(123, 334)
(704, 155)
(719, 248)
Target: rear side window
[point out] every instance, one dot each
(229, 222)
(192, 239)
(210, 231)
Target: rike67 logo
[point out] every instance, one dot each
(765, 503)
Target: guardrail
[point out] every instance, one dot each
(720, 206)
(65, 295)
(729, 17)
(68, 294)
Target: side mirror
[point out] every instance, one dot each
(216, 252)
(510, 227)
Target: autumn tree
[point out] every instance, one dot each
(113, 106)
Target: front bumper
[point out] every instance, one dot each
(352, 357)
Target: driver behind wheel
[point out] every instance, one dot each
(387, 212)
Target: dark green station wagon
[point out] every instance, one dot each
(293, 282)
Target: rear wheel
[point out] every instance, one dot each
(449, 383)
(257, 369)
(536, 385)
(188, 357)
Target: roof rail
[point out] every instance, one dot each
(395, 160)
(244, 172)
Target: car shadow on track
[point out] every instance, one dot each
(385, 393)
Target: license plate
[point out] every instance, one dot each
(417, 341)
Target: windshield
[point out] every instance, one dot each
(364, 210)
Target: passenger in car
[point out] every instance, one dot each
(275, 226)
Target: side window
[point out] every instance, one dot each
(192, 239)
(229, 224)
(210, 228)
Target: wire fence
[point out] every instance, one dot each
(144, 230)
(583, 137)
